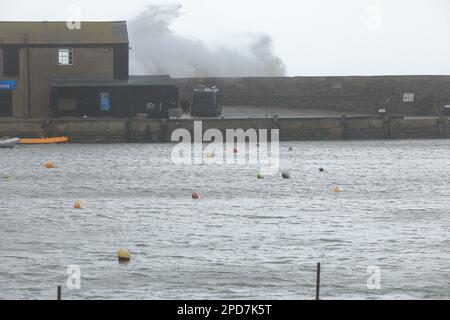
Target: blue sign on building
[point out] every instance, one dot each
(104, 101)
(7, 85)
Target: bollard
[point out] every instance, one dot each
(318, 282)
(59, 293)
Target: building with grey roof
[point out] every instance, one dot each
(50, 69)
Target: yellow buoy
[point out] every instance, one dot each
(123, 255)
(49, 165)
(77, 205)
(337, 189)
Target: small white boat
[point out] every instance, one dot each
(9, 143)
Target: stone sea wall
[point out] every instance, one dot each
(346, 94)
(160, 130)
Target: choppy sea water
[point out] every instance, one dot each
(245, 239)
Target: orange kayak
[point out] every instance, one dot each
(44, 140)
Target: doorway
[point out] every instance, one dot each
(5, 103)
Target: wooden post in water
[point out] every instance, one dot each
(318, 282)
(59, 293)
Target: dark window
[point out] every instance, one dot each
(11, 62)
(204, 99)
(121, 56)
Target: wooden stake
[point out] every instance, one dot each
(318, 282)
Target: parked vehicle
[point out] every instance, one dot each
(206, 102)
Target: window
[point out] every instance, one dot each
(204, 99)
(121, 57)
(65, 57)
(11, 62)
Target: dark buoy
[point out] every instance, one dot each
(260, 176)
(286, 175)
(321, 169)
(291, 149)
(195, 196)
(235, 150)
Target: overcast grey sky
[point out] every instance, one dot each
(312, 37)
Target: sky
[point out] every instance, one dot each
(311, 37)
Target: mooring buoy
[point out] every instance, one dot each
(286, 175)
(49, 165)
(123, 255)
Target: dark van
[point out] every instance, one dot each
(206, 102)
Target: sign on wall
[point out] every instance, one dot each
(104, 101)
(408, 97)
(7, 85)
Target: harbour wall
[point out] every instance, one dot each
(357, 94)
(291, 129)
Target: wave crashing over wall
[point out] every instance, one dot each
(158, 50)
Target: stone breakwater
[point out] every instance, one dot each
(408, 95)
(291, 129)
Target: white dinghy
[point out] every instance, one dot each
(9, 143)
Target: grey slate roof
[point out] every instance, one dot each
(57, 33)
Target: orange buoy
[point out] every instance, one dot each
(337, 190)
(77, 205)
(49, 165)
(195, 196)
